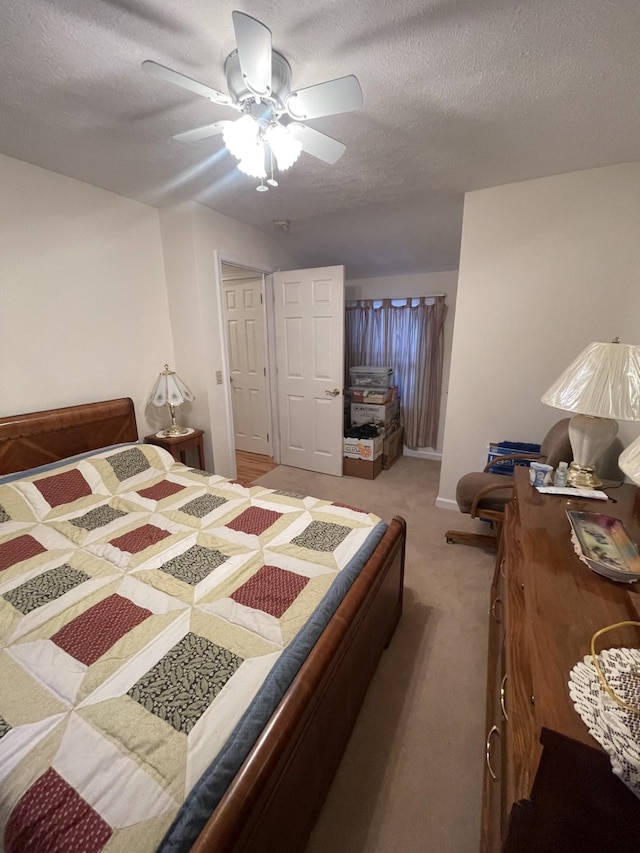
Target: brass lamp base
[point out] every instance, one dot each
(174, 429)
(582, 477)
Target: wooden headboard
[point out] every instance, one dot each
(41, 437)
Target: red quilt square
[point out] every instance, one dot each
(142, 537)
(161, 490)
(271, 589)
(254, 520)
(63, 488)
(18, 549)
(89, 636)
(52, 816)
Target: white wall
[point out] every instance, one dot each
(424, 284)
(83, 304)
(546, 267)
(195, 241)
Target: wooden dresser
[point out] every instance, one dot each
(545, 606)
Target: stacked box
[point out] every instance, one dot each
(392, 448)
(371, 377)
(374, 395)
(384, 415)
(361, 468)
(363, 448)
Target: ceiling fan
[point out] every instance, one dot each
(259, 87)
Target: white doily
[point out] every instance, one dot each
(616, 729)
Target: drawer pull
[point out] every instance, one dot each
(494, 730)
(493, 608)
(502, 562)
(503, 697)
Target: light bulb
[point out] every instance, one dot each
(285, 148)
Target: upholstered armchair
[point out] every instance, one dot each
(484, 495)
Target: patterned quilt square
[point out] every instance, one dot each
(97, 517)
(4, 515)
(87, 637)
(195, 564)
(185, 681)
(44, 588)
(271, 589)
(63, 488)
(140, 538)
(55, 818)
(254, 520)
(18, 549)
(203, 505)
(161, 490)
(128, 463)
(322, 536)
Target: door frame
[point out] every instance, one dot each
(269, 325)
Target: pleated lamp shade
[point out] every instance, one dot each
(603, 381)
(601, 386)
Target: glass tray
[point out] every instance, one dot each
(606, 546)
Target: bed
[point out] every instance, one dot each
(275, 755)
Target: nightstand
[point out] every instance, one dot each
(177, 445)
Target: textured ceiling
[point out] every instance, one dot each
(458, 95)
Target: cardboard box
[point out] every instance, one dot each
(360, 468)
(392, 448)
(382, 414)
(374, 395)
(363, 448)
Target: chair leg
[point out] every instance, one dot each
(478, 540)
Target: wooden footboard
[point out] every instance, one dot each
(277, 794)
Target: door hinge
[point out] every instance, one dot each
(260, 299)
(264, 370)
(267, 436)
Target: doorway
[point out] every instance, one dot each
(243, 299)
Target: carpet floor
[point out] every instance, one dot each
(410, 779)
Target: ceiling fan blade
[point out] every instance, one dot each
(317, 144)
(325, 99)
(187, 83)
(204, 132)
(254, 52)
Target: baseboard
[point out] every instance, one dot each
(423, 453)
(446, 503)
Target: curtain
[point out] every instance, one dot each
(409, 338)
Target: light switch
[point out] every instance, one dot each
(218, 377)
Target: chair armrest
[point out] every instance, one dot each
(510, 457)
(486, 490)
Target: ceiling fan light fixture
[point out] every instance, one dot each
(244, 141)
(252, 163)
(285, 148)
(240, 135)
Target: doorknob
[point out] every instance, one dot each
(333, 393)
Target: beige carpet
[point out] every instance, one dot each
(410, 779)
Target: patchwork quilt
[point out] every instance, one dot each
(143, 607)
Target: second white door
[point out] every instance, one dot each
(244, 318)
(309, 317)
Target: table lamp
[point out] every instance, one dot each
(171, 391)
(602, 386)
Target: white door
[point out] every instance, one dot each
(244, 318)
(309, 315)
